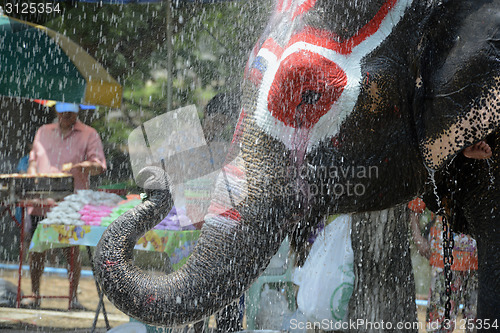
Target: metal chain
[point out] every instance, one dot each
(448, 244)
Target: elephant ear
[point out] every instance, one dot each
(457, 100)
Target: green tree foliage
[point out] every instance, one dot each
(210, 46)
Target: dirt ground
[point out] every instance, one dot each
(54, 317)
(60, 318)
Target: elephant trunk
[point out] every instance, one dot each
(227, 258)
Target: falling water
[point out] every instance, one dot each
(432, 179)
(130, 42)
(489, 161)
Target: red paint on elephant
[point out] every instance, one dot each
(308, 81)
(304, 88)
(239, 127)
(224, 211)
(271, 45)
(110, 263)
(303, 8)
(332, 41)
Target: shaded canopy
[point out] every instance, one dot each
(39, 63)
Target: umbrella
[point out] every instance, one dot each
(39, 63)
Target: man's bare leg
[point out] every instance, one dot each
(74, 271)
(37, 262)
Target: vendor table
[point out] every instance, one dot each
(24, 205)
(86, 216)
(177, 244)
(32, 191)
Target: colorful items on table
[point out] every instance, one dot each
(67, 211)
(92, 215)
(176, 220)
(101, 209)
(104, 216)
(83, 219)
(131, 202)
(181, 253)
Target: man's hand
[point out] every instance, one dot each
(67, 167)
(88, 168)
(31, 168)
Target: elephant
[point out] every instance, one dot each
(347, 106)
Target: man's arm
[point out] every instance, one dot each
(96, 162)
(31, 168)
(88, 167)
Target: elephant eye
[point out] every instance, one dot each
(310, 97)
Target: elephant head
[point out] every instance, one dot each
(348, 106)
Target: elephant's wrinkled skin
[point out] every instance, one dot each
(348, 106)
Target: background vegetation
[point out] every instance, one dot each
(210, 45)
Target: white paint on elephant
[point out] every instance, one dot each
(328, 125)
(268, 55)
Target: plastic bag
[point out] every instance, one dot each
(326, 280)
(273, 308)
(295, 323)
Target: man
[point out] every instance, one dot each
(65, 146)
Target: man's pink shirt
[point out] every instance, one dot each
(51, 150)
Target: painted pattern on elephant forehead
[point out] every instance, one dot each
(309, 86)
